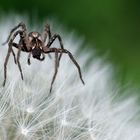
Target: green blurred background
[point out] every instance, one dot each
(113, 26)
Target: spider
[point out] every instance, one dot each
(34, 44)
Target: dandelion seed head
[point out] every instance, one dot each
(72, 111)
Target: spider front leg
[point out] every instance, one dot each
(53, 50)
(23, 39)
(12, 53)
(75, 63)
(52, 39)
(56, 69)
(5, 64)
(47, 33)
(21, 24)
(19, 47)
(19, 66)
(29, 56)
(10, 44)
(14, 56)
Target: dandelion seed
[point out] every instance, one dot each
(24, 131)
(30, 110)
(64, 123)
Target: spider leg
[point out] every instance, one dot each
(21, 24)
(76, 64)
(19, 66)
(52, 39)
(23, 49)
(51, 50)
(5, 65)
(10, 44)
(16, 46)
(46, 33)
(14, 56)
(19, 49)
(28, 60)
(56, 69)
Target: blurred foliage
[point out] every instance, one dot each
(112, 25)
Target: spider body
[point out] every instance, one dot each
(34, 44)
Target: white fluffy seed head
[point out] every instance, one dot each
(72, 111)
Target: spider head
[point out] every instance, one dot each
(35, 41)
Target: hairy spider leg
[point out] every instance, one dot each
(14, 56)
(28, 60)
(8, 55)
(56, 70)
(51, 50)
(19, 50)
(21, 47)
(18, 56)
(52, 39)
(47, 33)
(5, 65)
(76, 64)
(21, 24)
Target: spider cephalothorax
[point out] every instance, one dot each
(34, 44)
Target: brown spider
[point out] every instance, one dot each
(34, 44)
